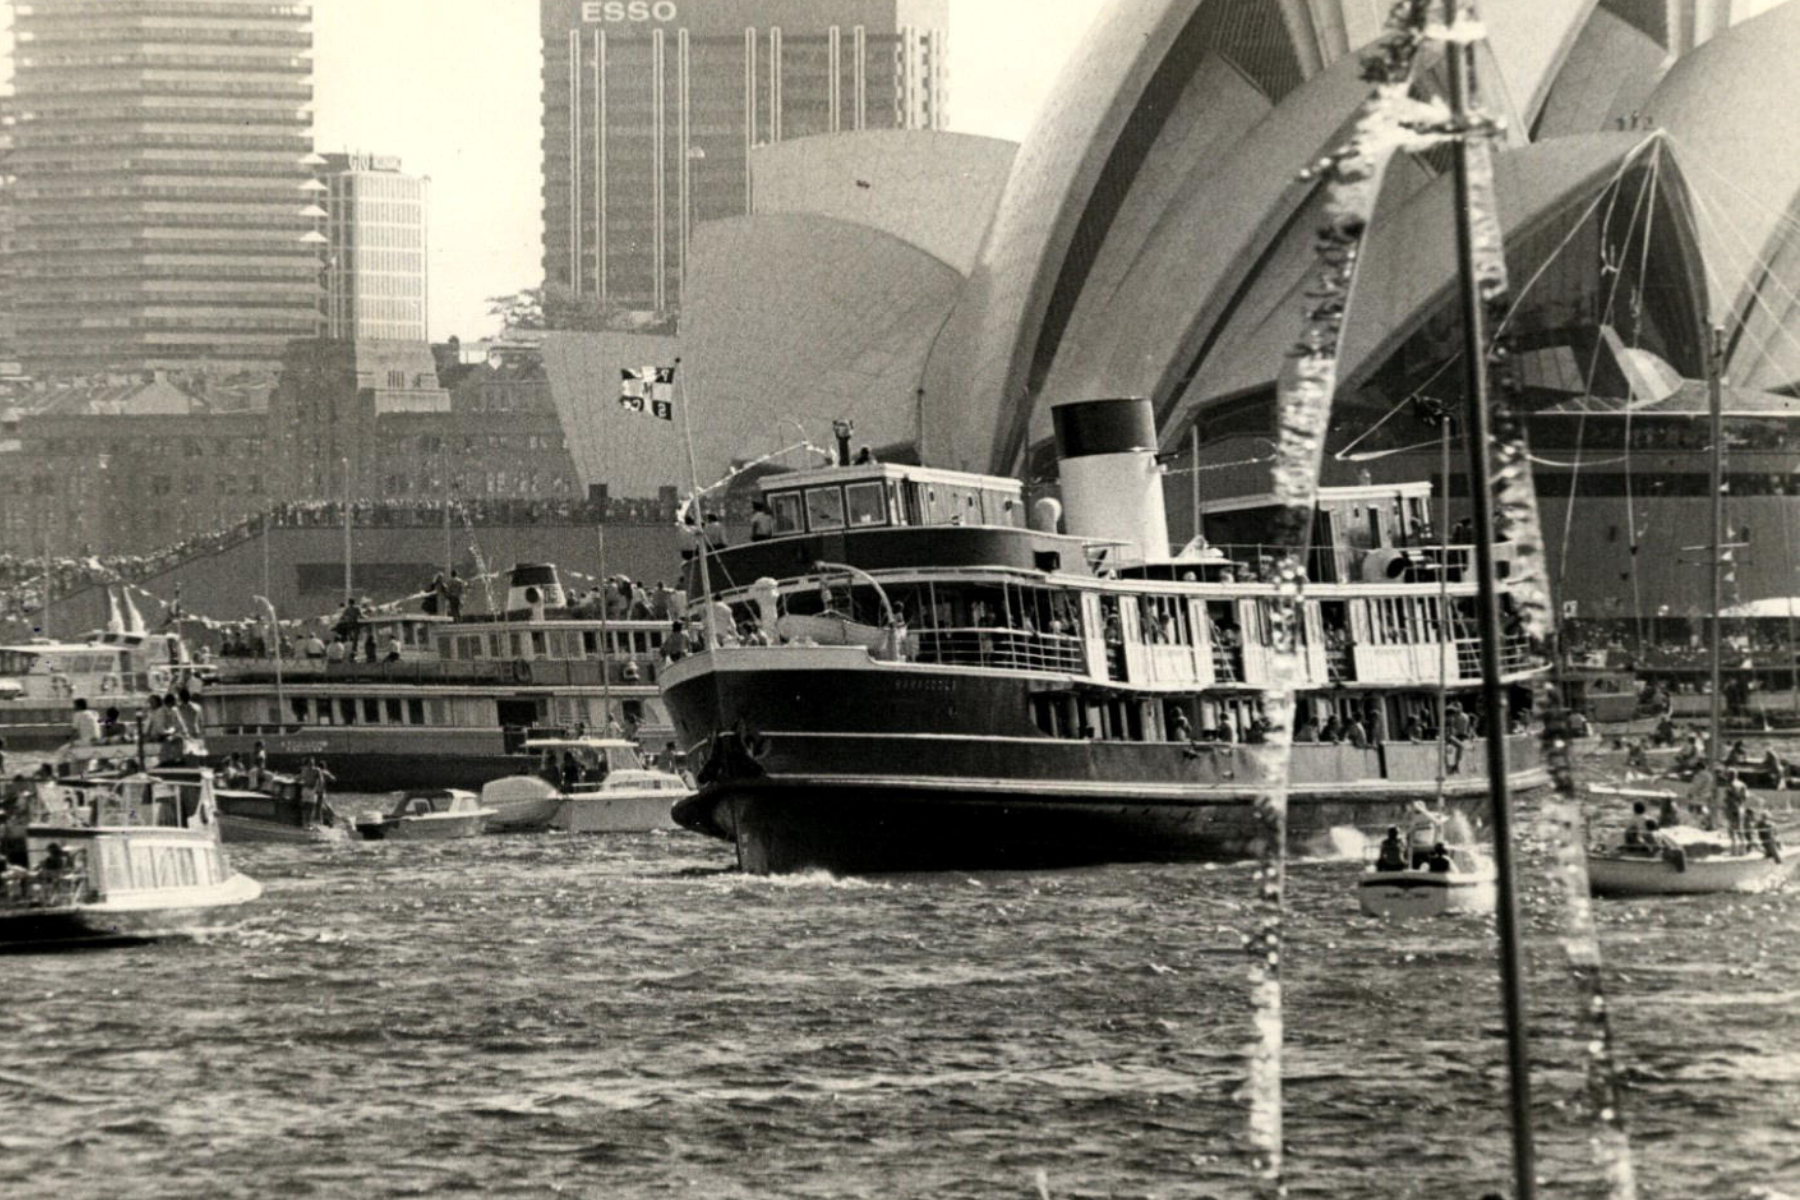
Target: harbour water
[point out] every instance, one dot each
(628, 1016)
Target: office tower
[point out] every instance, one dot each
(160, 187)
(651, 109)
(375, 272)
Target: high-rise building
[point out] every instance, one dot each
(651, 109)
(157, 153)
(375, 282)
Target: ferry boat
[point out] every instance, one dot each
(999, 694)
(40, 680)
(459, 706)
(118, 860)
(585, 785)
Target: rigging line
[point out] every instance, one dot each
(1769, 273)
(1690, 153)
(1637, 328)
(1593, 369)
(1607, 194)
(1719, 225)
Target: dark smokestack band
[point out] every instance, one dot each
(1089, 427)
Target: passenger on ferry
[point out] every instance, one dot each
(336, 653)
(1306, 731)
(1180, 730)
(1227, 731)
(571, 771)
(1414, 730)
(191, 714)
(85, 725)
(112, 727)
(1456, 733)
(1258, 733)
(1439, 862)
(1737, 802)
(453, 590)
(762, 521)
(393, 649)
(1776, 768)
(714, 529)
(1392, 855)
(369, 645)
(1635, 831)
(1332, 732)
(1665, 732)
(259, 765)
(1355, 734)
(1738, 755)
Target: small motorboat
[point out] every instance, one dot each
(115, 860)
(1682, 860)
(586, 785)
(427, 814)
(1466, 886)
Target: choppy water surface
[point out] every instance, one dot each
(626, 1016)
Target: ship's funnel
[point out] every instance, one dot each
(534, 587)
(1112, 487)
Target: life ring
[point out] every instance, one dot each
(521, 670)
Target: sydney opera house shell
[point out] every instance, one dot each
(1153, 236)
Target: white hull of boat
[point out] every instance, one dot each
(617, 812)
(1425, 893)
(127, 916)
(435, 828)
(1656, 875)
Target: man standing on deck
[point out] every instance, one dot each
(86, 725)
(453, 594)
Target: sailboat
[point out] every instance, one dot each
(1682, 859)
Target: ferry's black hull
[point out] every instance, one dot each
(860, 771)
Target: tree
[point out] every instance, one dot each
(521, 310)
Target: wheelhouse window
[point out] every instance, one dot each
(868, 503)
(824, 508)
(786, 506)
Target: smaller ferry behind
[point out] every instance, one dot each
(108, 860)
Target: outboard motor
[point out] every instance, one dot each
(533, 587)
(1112, 486)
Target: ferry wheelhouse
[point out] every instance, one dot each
(910, 675)
(458, 707)
(41, 680)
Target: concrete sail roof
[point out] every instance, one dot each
(1740, 140)
(932, 189)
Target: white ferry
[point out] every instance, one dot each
(40, 681)
(457, 708)
(921, 680)
(117, 860)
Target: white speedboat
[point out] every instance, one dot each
(431, 814)
(116, 860)
(1467, 887)
(1683, 860)
(586, 785)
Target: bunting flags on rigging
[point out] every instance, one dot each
(649, 389)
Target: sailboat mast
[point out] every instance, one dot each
(1459, 55)
(1715, 408)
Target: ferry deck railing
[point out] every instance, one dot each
(553, 672)
(986, 646)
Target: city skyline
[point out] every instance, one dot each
(487, 232)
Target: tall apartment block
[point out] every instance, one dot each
(160, 189)
(651, 109)
(375, 271)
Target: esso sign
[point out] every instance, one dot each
(596, 12)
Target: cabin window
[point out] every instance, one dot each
(347, 710)
(298, 704)
(371, 710)
(866, 503)
(515, 646)
(496, 648)
(440, 712)
(787, 511)
(824, 508)
(447, 647)
(537, 644)
(474, 649)
(415, 712)
(392, 705)
(590, 642)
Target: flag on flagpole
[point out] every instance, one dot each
(648, 389)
